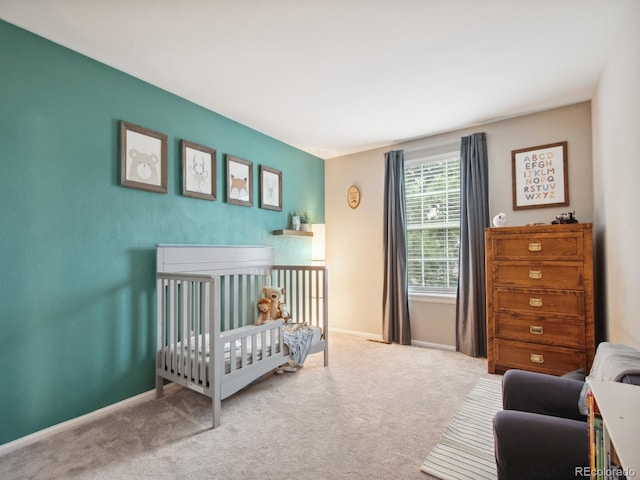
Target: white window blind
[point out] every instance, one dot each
(432, 191)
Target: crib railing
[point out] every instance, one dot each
(187, 323)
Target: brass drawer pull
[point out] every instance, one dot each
(536, 329)
(535, 302)
(535, 246)
(537, 358)
(536, 274)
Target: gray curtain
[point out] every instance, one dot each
(395, 302)
(471, 328)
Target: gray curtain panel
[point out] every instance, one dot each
(395, 303)
(471, 328)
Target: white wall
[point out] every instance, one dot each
(616, 126)
(354, 237)
(354, 241)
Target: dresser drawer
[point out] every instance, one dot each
(566, 275)
(544, 330)
(540, 246)
(537, 358)
(539, 302)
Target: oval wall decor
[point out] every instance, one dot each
(353, 196)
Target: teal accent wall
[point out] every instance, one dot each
(77, 250)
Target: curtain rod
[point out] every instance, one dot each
(432, 145)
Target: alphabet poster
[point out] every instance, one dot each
(540, 177)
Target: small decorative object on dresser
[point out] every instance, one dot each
(539, 283)
(500, 220)
(565, 218)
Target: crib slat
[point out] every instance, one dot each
(234, 304)
(304, 294)
(286, 283)
(216, 357)
(254, 349)
(193, 334)
(271, 351)
(197, 332)
(254, 295)
(172, 326)
(159, 335)
(163, 324)
(243, 352)
(245, 300)
(242, 300)
(186, 330)
(226, 323)
(204, 296)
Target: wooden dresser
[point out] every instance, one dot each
(540, 298)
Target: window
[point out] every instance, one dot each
(432, 190)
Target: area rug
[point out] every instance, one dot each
(465, 450)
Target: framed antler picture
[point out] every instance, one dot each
(198, 171)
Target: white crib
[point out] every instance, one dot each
(206, 309)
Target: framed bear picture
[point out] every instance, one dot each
(143, 158)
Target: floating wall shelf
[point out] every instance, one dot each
(298, 233)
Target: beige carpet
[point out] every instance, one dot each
(375, 413)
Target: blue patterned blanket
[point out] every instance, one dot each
(298, 337)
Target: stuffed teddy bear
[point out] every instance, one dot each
(278, 308)
(264, 311)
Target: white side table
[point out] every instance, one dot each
(619, 405)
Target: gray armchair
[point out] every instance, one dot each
(541, 433)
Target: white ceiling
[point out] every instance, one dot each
(333, 77)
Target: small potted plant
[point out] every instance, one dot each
(305, 220)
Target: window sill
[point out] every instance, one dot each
(433, 298)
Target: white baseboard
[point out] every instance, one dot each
(371, 336)
(81, 420)
(439, 346)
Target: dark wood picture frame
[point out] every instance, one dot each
(540, 176)
(270, 188)
(198, 171)
(239, 181)
(143, 158)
